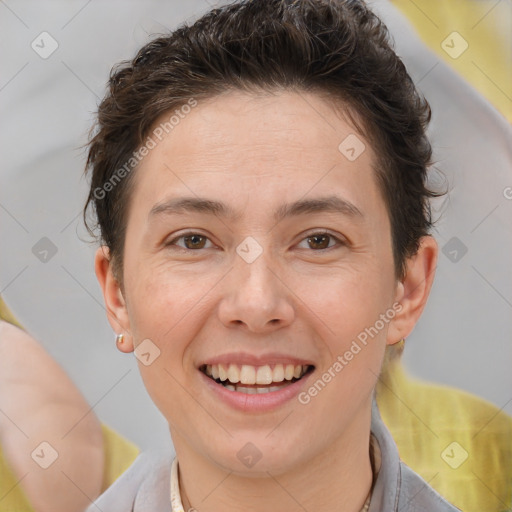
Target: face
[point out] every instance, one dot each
(257, 251)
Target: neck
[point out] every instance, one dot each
(338, 479)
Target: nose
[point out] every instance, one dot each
(255, 296)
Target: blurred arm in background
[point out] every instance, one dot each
(49, 435)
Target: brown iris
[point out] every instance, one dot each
(320, 240)
(196, 241)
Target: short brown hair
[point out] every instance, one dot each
(337, 48)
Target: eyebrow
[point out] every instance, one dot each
(330, 204)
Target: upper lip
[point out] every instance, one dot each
(242, 358)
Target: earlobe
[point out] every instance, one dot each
(413, 290)
(115, 304)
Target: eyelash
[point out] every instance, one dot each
(310, 235)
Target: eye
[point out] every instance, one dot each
(191, 241)
(321, 241)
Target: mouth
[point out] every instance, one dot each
(250, 379)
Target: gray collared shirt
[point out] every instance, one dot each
(145, 486)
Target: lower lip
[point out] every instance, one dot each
(259, 402)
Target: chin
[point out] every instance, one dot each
(255, 456)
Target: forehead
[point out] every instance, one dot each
(265, 146)
(286, 124)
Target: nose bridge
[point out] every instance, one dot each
(258, 278)
(257, 297)
(256, 281)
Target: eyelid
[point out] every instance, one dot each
(175, 237)
(342, 241)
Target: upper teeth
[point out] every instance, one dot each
(247, 374)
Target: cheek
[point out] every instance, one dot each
(351, 313)
(347, 300)
(169, 307)
(162, 309)
(353, 336)
(158, 298)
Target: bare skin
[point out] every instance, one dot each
(41, 404)
(306, 298)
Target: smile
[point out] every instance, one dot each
(255, 379)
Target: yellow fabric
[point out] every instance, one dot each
(460, 444)
(119, 454)
(486, 26)
(5, 314)
(12, 498)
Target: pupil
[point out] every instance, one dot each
(316, 239)
(194, 241)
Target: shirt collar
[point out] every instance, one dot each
(386, 487)
(176, 504)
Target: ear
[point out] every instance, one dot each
(117, 313)
(413, 290)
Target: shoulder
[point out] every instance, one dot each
(397, 487)
(416, 495)
(143, 487)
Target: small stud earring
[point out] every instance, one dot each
(119, 339)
